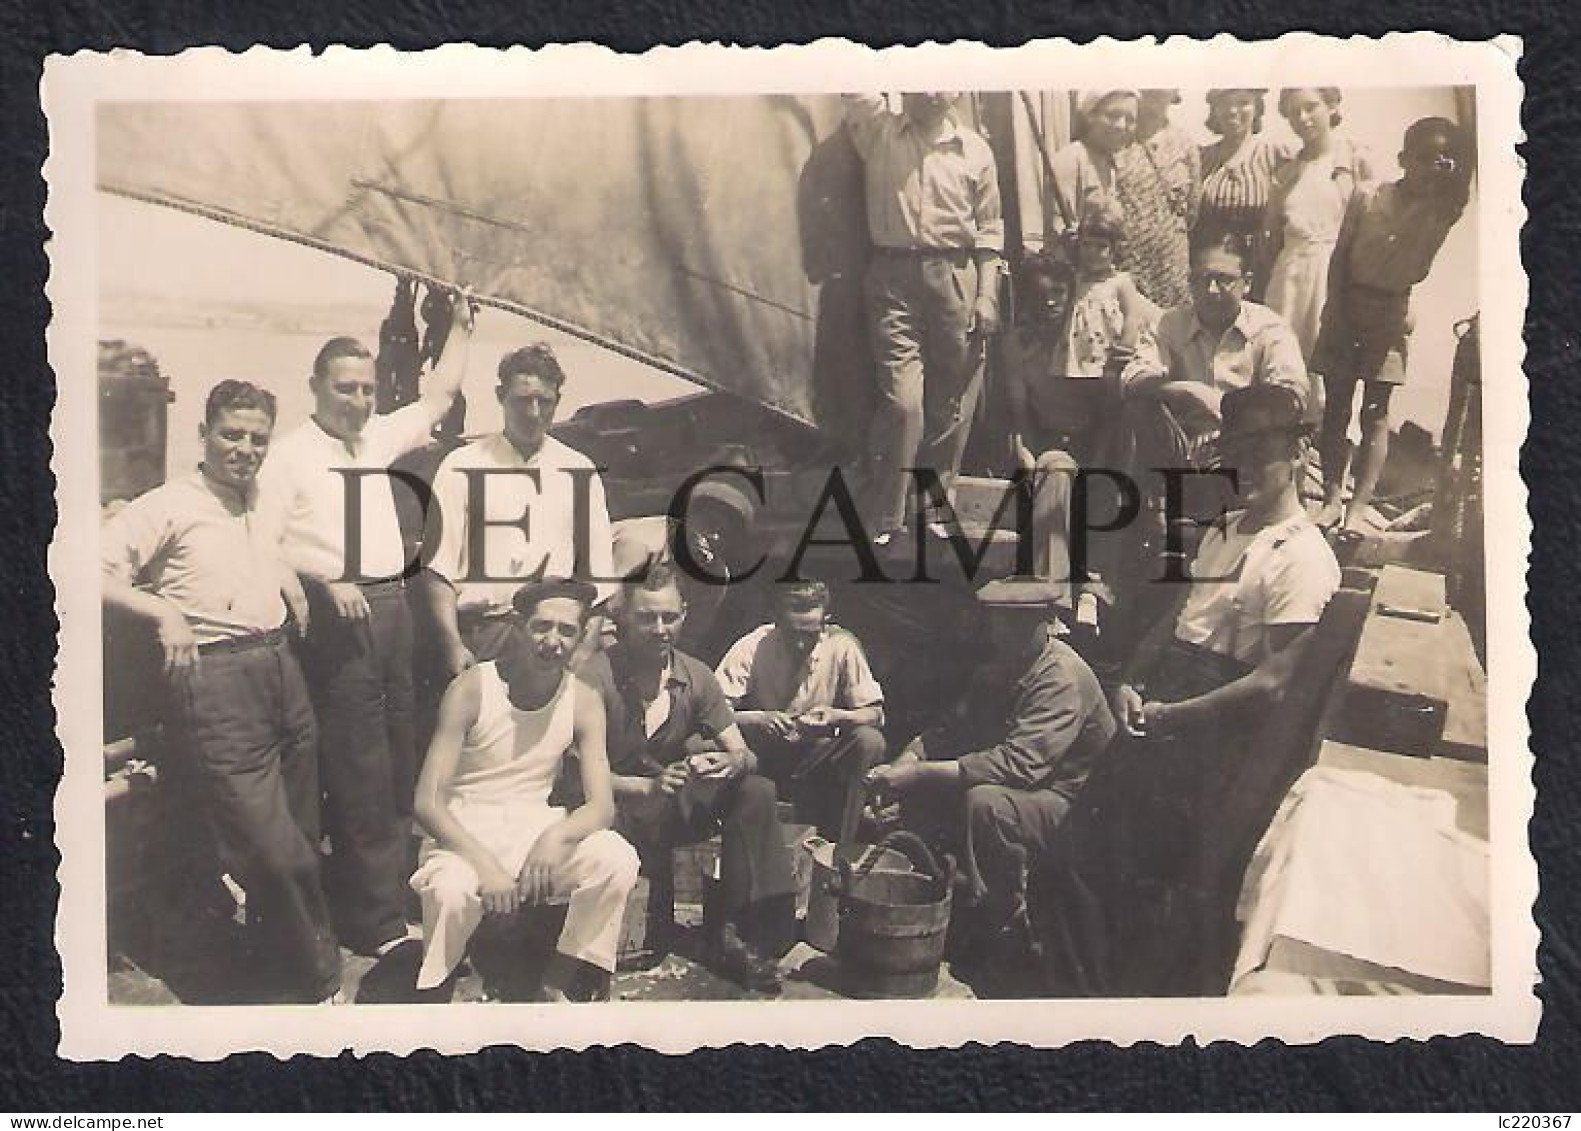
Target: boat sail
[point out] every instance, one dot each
(719, 239)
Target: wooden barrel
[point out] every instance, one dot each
(892, 930)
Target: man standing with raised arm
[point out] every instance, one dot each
(329, 488)
(515, 496)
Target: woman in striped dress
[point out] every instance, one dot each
(1237, 170)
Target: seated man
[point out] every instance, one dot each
(1133, 896)
(809, 707)
(1201, 350)
(1170, 410)
(682, 772)
(995, 780)
(494, 842)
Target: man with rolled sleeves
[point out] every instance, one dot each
(809, 706)
(195, 559)
(358, 654)
(681, 772)
(937, 227)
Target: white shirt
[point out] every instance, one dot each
(1281, 574)
(549, 504)
(301, 484)
(761, 672)
(204, 549)
(1259, 347)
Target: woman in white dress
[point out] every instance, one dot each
(1305, 209)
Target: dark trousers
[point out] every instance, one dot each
(997, 833)
(1132, 902)
(754, 864)
(929, 370)
(823, 776)
(246, 720)
(361, 680)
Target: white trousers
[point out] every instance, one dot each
(595, 882)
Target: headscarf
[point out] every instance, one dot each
(1088, 101)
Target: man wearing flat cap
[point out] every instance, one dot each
(494, 842)
(993, 780)
(1125, 901)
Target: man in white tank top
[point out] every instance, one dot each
(494, 842)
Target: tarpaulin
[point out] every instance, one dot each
(721, 239)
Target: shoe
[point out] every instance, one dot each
(731, 958)
(389, 945)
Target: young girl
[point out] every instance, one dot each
(1308, 202)
(1076, 327)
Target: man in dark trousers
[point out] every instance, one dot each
(934, 215)
(682, 771)
(192, 559)
(1133, 901)
(358, 654)
(994, 779)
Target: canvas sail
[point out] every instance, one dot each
(720, 239)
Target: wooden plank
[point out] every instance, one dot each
(1466, 689)
(1396, 695)
(976, 499)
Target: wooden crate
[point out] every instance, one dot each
(634, 926)
(692, 862)
(801, 863)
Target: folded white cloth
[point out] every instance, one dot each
(1359, 865)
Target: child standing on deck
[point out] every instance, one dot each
(1386, 245)
(1074, 333)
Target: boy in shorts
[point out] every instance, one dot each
(1387, 243)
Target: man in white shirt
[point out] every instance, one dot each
(358, 654)
(194, 559)
(809, 706)
(1170, 416)
(1136, 901)
(543, 514)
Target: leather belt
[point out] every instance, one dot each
(271, 639)
(960, 256)
(377, 588)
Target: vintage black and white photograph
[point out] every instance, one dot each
(562, 548)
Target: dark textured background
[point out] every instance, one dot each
(1460, 1073)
